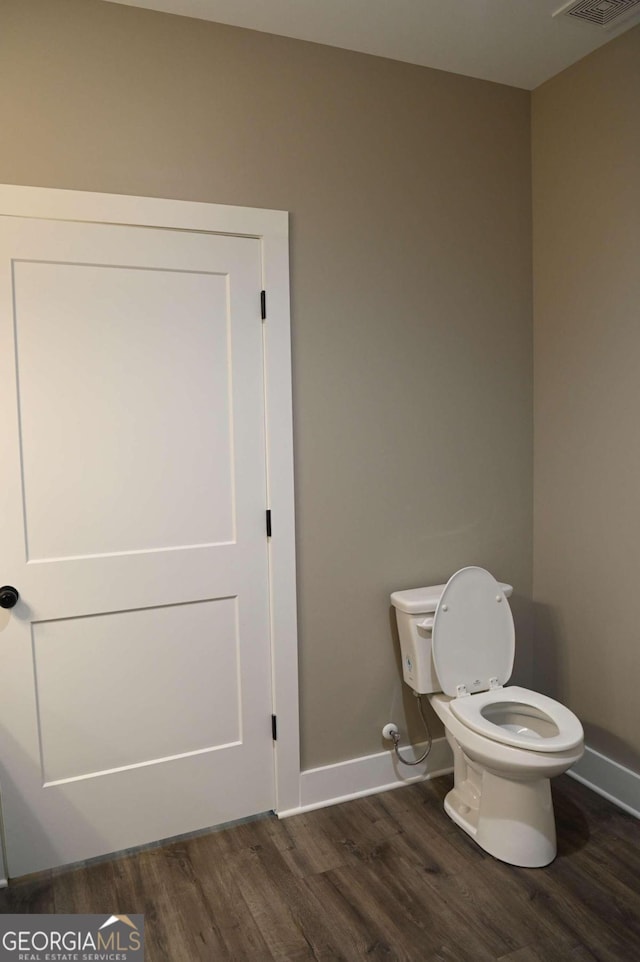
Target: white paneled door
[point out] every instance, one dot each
(135, 669)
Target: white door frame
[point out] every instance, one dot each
(271, 227)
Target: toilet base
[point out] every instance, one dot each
(501, 794)
(511, 820)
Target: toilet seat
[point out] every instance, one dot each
(473, 639)
(469, 710)
(473, 646)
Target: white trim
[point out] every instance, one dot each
(272, 228)
(280, 493)
(366, 775)
(54, 204)
(610, 779)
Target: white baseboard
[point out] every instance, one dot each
(610, 779)
(370, 774)
(367, 775)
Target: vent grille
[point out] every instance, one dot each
(602, 13)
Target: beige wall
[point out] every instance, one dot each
(586, 189)
(409, 192)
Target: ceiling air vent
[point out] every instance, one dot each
(601, 13)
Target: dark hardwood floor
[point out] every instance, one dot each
(386, 877)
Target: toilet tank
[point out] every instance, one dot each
(415, 610)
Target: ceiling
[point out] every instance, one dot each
(514, 42)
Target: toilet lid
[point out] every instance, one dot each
(473, 633)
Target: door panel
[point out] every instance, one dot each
(135, 691)
(120, 488)
(192, 706)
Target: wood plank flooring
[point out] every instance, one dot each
(383, 878)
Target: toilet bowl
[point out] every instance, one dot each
(458, 644)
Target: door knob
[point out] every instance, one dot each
(8, 596)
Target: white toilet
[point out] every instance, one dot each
(458, 643)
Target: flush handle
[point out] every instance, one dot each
(427, 624)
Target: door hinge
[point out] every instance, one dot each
(268, 522)
(274, 728)
(263, 305)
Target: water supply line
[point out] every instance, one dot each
(391, 733)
